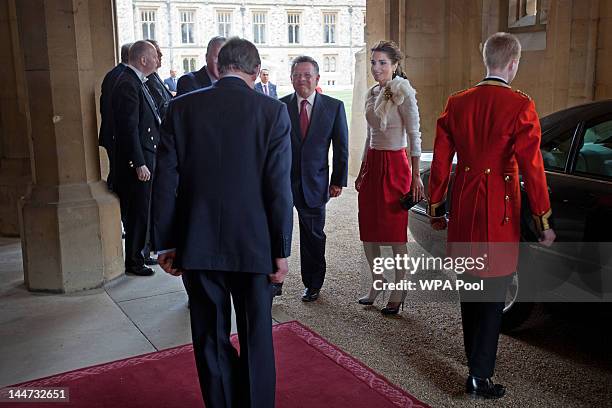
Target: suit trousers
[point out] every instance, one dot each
(312, 242)
(481, 315)
(226, 379)
(135, 199)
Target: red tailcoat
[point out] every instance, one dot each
(496, 134)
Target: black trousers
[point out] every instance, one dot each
(312, 245)
(135, 202)
(226, 379)
(481, 314)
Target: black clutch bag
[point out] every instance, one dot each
(407, 202)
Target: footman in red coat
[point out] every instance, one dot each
(495, 132)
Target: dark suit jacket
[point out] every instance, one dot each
(222, 190)
(192, 81)
(310, 168)
(170, 84)
(271, 89)
(136, 126)
(161, 95)
(106, 138)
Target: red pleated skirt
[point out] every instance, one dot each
(386, 178)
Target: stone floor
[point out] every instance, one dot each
(562, 359)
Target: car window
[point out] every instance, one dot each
(595, 155)
(555, 149)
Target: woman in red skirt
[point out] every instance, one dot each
(390, 164)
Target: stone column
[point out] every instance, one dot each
(15, 175)
(70, 223)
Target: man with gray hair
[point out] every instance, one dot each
(107, 137)
(495, 132)
(207, 75)
(222, 218)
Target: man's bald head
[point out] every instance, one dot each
(143, 57)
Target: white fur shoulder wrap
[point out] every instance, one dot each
(393, 93)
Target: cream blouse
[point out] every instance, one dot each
(393, 118)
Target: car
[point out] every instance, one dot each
(577, 152)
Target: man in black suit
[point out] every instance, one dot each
(207, 75)
(137, 135)
(107, 137)
(318, 121)
(222, 200)
(161, 95)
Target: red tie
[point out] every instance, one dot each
(304, 118)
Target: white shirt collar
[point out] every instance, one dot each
(141, 76)
(310, 99)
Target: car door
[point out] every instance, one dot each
(545, 269)
(591, 202)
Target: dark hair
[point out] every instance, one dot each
(214, 41)
(240, 55)
(125, 52)
(304, 58)
(394, 53)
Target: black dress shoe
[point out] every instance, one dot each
(140, 271)
(150, 261)
(310, 295)
(483, 388)
(277, 289)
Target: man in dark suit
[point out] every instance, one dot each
(265, 86)
(137, 135)
(161, 95)
(107, 137)
(207, 75)
(171, 81)
(317, 121)
(222, 200)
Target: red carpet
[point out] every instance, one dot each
(310, 371)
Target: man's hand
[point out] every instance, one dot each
(335, 191)
(143, 173)
(438, 223)
(282, 267)
(547, 237)
(166, 260)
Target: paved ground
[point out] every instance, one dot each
(564, 359)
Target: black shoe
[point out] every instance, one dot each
(310, 295)
(150, 261)
(483, 388)
(277, 289)
(140, 271)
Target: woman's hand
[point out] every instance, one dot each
(359, 178)
(417, 188)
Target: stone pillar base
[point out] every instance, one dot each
(71, 237)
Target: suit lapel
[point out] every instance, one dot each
(295, 119)
(316, 117)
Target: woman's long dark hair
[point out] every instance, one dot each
(394, 53)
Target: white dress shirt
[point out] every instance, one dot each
(309, 105)
(141, 76)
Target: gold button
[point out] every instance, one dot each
(149, 130)
(507, 197)
(467, 168)
(507, 178)
(488, 171)
(155, 146)
(151, 137)
(507, 219)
